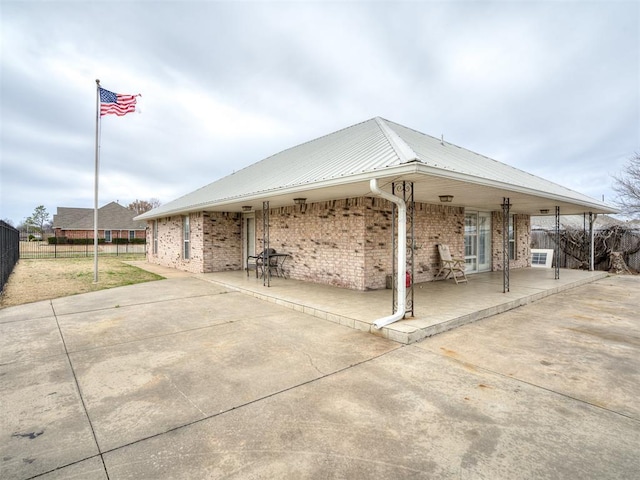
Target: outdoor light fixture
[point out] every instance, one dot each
(446, 198)
(544, 211)
(246, 208)
(302, 202)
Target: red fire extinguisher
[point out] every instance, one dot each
(407, 280)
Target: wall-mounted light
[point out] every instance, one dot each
(446, 198)
(302, 202)
(544, 211)
(246, 208)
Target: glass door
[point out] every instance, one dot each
(249, 233)
(471, 242)
(484, 241)
(477, 241)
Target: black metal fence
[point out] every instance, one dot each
(9, 251)
(63, 247)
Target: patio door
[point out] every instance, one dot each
(249, 237)
(477, 241)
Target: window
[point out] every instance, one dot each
(541, 258)
(107, 236)
(186, 237)
(132, 234)
(512, 238)
(155, 237)
(538, 258)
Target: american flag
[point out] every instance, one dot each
(116, 103)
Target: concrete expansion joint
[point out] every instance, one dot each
(78, 389)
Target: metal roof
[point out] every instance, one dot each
(339, 165)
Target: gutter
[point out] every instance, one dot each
(402, 255)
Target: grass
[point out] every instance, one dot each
(33, 280)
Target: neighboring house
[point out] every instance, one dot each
(580, 222)
(114, 222)
(322, 210)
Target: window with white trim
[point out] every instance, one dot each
(542, 257)
(512, 238)
(132, 234)
(155, 237)
(186, 237)
(107, 236)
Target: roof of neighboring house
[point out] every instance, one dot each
(111, 216)
(548, 222)
(340, 165)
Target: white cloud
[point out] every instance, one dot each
(549, 87)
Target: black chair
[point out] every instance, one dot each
(259, 261)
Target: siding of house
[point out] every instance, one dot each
(325, 241)
(436, 224)
(345, 243)
(215, 242)
(222, 242)
(523, 241)
(59, 232)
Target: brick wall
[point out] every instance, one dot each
(523, 241)
(89, 233)
(215, 242)
(436, 224)
(170, 244)
(223, 242)
(348, 242)
(325, 241)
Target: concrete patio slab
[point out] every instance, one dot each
(30, 339)
(43, 423)
(438, 306)
(585, 329)
(138, 294)
(91, 469)
(204, 382)
(110, 326)
(137, 389)
(407, 414)
(27, 311)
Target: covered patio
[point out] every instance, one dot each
(438, 306)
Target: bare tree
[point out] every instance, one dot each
(142, 206)
(575, 243)
(627, 186)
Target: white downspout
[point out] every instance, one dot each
(402, 255)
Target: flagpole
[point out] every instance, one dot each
(95, 187)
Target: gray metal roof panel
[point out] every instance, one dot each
(367, 147)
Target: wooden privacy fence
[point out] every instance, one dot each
(574, 246)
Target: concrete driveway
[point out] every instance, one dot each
(184, 379)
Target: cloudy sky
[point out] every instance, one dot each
(551, 87)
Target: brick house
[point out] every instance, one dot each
(114, 222)
(322, 210)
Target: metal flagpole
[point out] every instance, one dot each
(95, 187)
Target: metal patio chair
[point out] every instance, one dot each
(258, 261)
